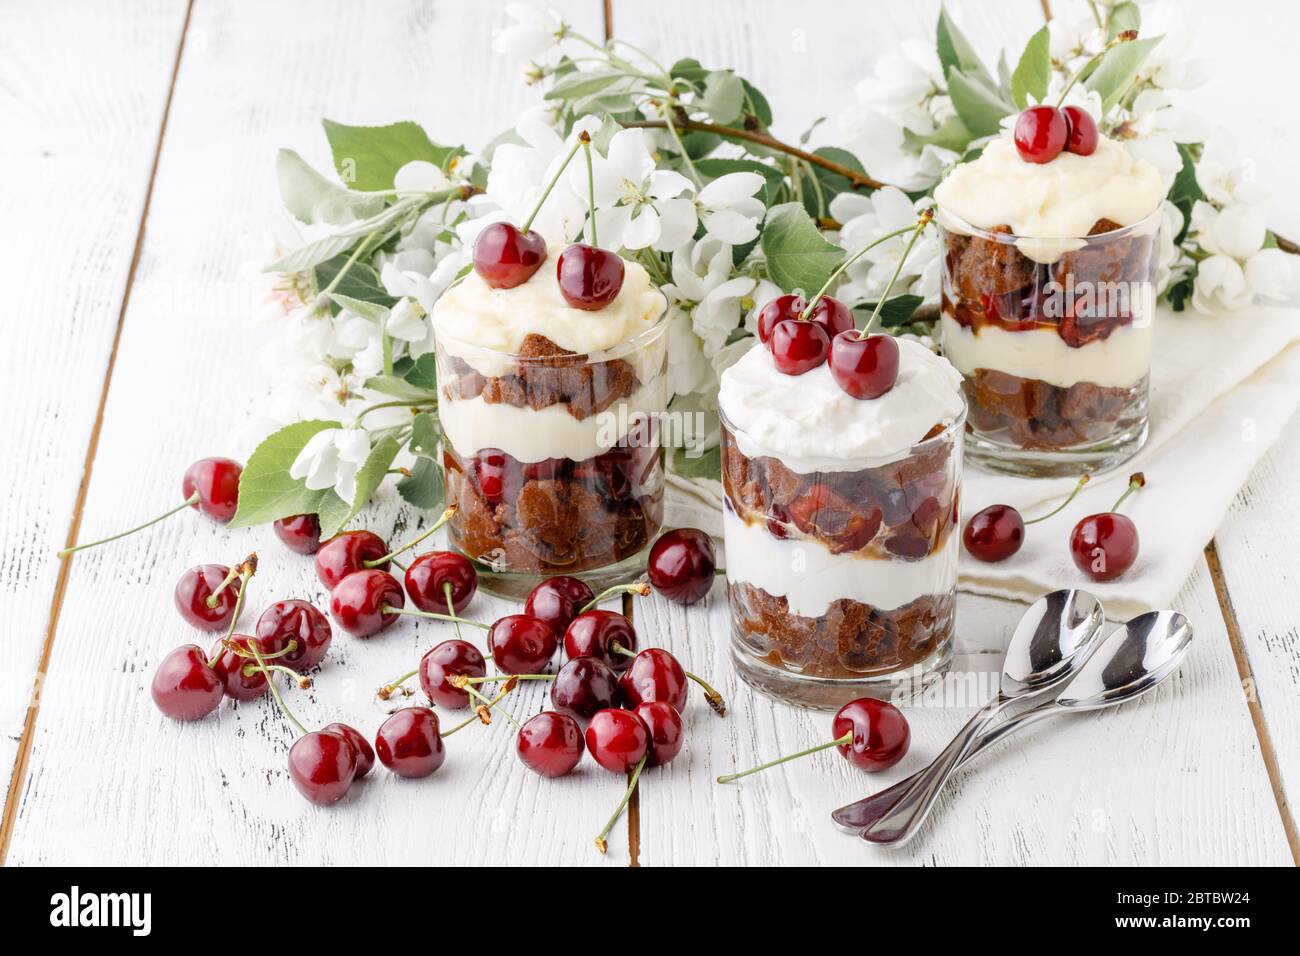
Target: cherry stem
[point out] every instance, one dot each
(251, 669)
(711, 695)
(1078, 74)
(211, 599)
(240, 652)
(528, 223)
(489, 704)
(921, 223)
(496, 677)
(830, 280)
(1135, 482)
(432, 615)
(442, 520)
(636, 587)
(585, 140)
(387, 690)
(1083, 480)
(275, 691)
(841, 742)
(474, 718)
(601, 845)
(451, 607)
(189, 502)
(245, 572)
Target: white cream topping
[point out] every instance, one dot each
(812, 424)
(811, 578)
(1120, 360)
(484, 325)
(1060, 200)
(529, 435)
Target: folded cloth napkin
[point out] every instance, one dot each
(1222, 390)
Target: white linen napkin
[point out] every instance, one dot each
(1222, 390)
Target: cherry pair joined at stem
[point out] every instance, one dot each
(354, 551)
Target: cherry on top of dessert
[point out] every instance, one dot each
(504, 257)
(590, 278)
(1043, 132)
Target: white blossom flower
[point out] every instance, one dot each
(1224, 177)
(699, 268)
(637, 204)
(865, 218)
(520, 172)
(688, 369)
(1170, 64)
(331, 459)
(1170, 255)
(533, 31)
(419, 176)
(1238, 268)
(729, 209)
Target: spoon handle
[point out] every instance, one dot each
(897, 824)
(857, 816)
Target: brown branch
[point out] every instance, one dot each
(1047, 10)
(1286, 245)
(859, 180)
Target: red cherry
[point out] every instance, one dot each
(1083, 135)
(365, 753)
(788, 306)
(408, 742)
(348, 553)
(833, 316)
(429, 576)
(864, 368)
(594, 634)
(322, 765)
(1040, 135)
(557, 601)
(681, 565)
(491, 468)
(798, 347)
(359, 599)
(1104, 545)
(194, 588)
(550, 744)
(299, 533)
(444, 661)
(880, 734)
(521, 644)
(582, 687)
(505, 257)
(654, 675)
(822, 512)
(230, 668)
(184, 687)
(665, 727)
(294, 620)
(994, 534)
(216, 480)
(589, 278)
(617, 739)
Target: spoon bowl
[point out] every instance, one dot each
(1055, 636)
(1133, 660)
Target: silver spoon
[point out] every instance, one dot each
(1056, 635)
(1135, 658)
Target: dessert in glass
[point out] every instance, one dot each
(1048, 289)
(549, 418)
(840, 523)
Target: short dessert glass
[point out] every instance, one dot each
(553, 457)
(1053, 338)
(842, 584)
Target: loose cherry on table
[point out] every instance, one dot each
(664, 724)
(654, 674)
(996, 533)
(550, 744)
(505, 257)
(617, 739)
(871, 734)
(595, 633)
(521, 644)
(1105, 545)
(205, 597)
(865, 367)
(295, 621)
(242, 680)
(408, 742)
(365, 753)
(354, 551)
(682, 564)
(558, 600)
(435, 577)
(210, 484)
(184, 686)
(366, 602)
(300, 533)
(454, 658)
(583, 687)
(322, 765)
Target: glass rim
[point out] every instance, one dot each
(951, 222)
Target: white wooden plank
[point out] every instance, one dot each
(113, 781)
(82, 88)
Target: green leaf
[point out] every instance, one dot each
(369, 477)
(360, 284)
(952, 134)
(979, 107)
(1123, 16)
(798, 255)
(724, 96)
(897, 311)
(424, 487)
(583, 83)
(1186, 191)
(699, 145)
(833, 183)
(1117, 70)
(266, 492)
(311, 198)
(757, 104)
(426, 433)
(368, 157)
(707, 465)
(955, 51)
(773, 178)
(423, 373)
(399, 388)
(314, 253)
(367, 310)
(1033, 71)
(689, 69)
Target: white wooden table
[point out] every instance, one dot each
(137, 141)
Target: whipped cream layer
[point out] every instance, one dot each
(486, 326)
(1049, 206)
(811, 578)
(1121, 360)
(811, 424)
(529, 435)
